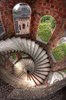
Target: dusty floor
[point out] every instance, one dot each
(7, 92)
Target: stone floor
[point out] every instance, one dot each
(7, 92)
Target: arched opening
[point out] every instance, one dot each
(21, 16)
(46, 28)
(59, 52)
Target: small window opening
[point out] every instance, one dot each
(27, 24)
(19, 27)
(23, 26)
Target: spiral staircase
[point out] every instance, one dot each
(36, 68)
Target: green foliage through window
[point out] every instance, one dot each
(59, 52)
(46, 28)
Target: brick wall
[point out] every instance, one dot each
(55, 8)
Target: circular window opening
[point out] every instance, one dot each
(46, 28)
